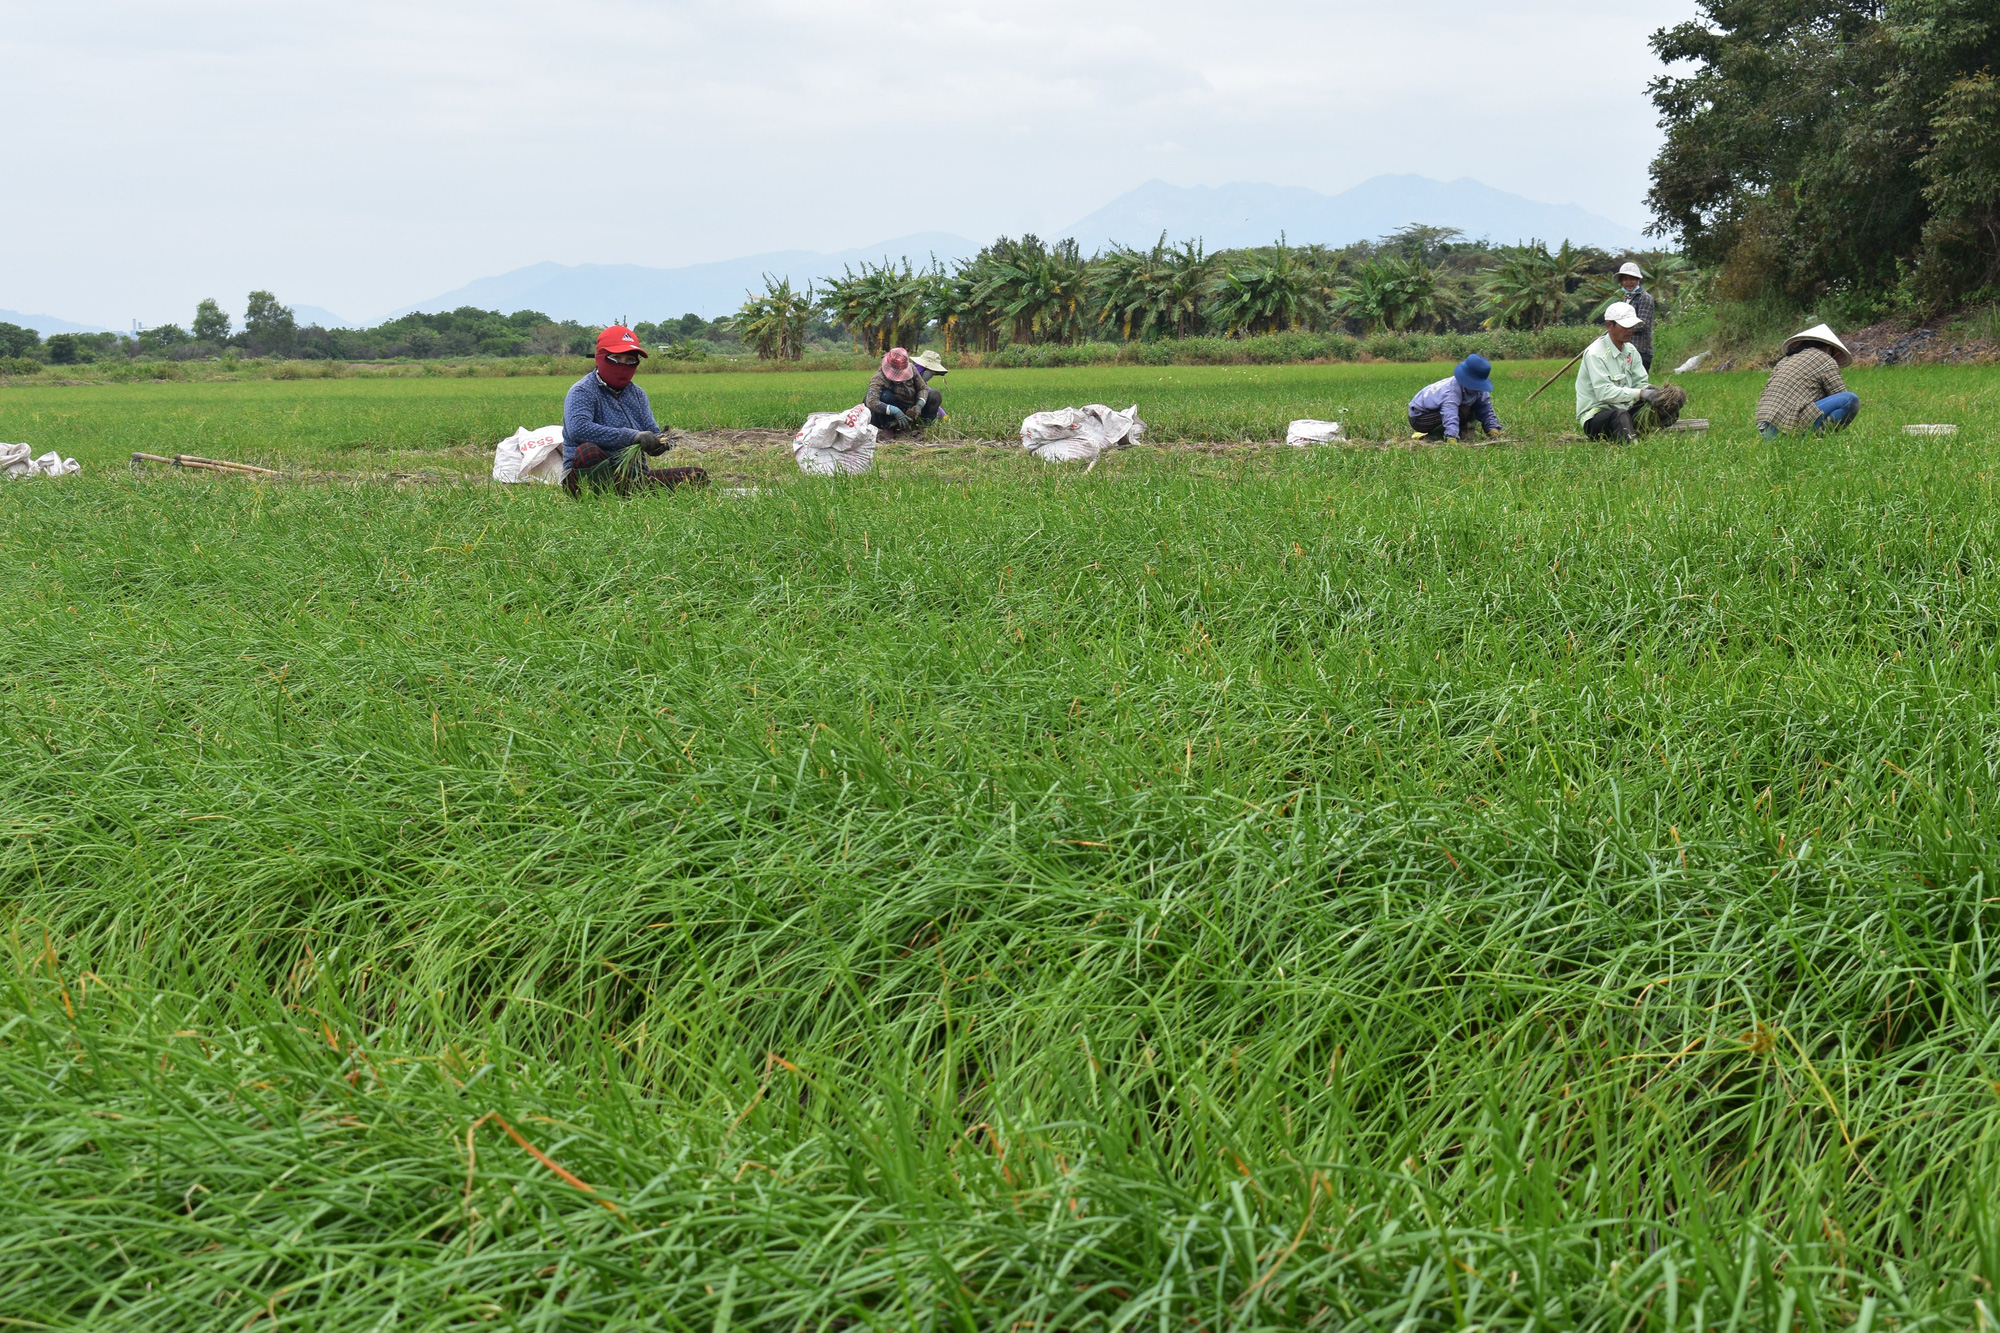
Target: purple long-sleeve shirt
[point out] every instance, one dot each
(1452, 401)
(609, 418)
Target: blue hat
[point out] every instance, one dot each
(1474, 373)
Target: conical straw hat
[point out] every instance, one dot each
(1820, 333)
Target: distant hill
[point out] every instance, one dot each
(47, 324)
(1226, 216)
(320, 315)
(599, 293)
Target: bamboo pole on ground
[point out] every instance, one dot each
(1553, 378)
(206, 464)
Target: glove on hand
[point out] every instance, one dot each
(1650, 394)
(651, 445)
(897, 415)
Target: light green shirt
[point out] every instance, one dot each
(1608, 376)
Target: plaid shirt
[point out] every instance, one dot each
(1641, 301)
(1798, 383)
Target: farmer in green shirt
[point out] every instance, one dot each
(1614, 400)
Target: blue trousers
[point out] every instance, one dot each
(1836, 409)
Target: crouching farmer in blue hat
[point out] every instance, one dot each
(1462, 399)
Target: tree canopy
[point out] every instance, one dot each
(1824, 147)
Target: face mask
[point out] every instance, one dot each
(612, 373)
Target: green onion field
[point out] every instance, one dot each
(1542, 887)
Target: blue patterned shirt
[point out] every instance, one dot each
(609, 418)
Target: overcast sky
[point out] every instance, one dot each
(362, 156)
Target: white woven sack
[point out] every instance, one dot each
(17, 465)
(1068, 434)
(530, 455)
(833, 444)
(1307, 431)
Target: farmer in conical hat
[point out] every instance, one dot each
(1631, 278)
(606, 417)
(1457, 402)
(1805, 391)
(897, 399)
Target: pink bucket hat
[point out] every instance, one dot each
(896, 365)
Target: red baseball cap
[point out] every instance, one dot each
(618, 338)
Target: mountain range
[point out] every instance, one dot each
(1221, 217)
(1227, 216)
(600, 292)
(47, 324)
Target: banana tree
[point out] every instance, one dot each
(774, 324)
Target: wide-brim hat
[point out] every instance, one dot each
(1820, 333)
(896, 364)
(1623, 315)
(930, 361)
(1474, 373)
(1628, 269)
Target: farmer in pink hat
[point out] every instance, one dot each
(897, 397)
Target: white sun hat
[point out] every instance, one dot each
(1628, 269)
(1821, 333)
(1623, 315)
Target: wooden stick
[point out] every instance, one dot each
(205, 464)
(1558, 375)
(223, 462)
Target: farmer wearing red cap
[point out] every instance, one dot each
(898, 398)
(606, 415)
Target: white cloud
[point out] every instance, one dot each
(366, 155)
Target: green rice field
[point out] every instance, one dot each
(1540, 887)
(451, 423)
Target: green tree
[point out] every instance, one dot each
(163, 337)
(63, 349)
(774, 324)
(269, 326)
(1961, 239)
(1267, 295)
(210, 324)
(1039, 291)
(17, 341)
(882, 306)
(1419, 241)
(1394, 294)
(1824, 143)
(1531, 287)
(1160, 292)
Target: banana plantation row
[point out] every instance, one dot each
(1416, 280)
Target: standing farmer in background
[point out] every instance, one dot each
(1459, 400)
(897, 400)
(1805, 390)
(1641, 301)
(606, 416)
(1613, 398)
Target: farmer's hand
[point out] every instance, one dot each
(1650, 394)
(896, 415)
(652, 445)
